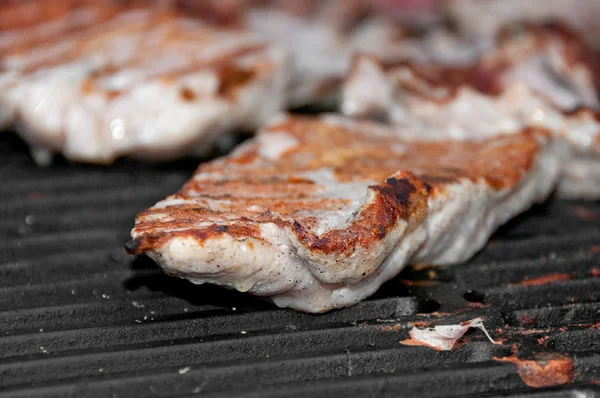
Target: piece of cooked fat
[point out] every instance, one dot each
(500, 94)
(99, 80)
(316, 213)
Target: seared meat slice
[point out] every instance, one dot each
(322, 42)
(317, 213)
(144, 82)
(321, 36)
(542, 78)
(554, 62)
(484, 18)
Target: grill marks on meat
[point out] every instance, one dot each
(118, 79)
(316, 213)
(540, 76)
(320, 35)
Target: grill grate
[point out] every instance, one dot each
(79, 317)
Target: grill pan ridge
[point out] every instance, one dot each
(79, 317)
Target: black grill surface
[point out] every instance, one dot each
(79, 317)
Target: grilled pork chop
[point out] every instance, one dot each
(539, 78)
(101, 80)
(316, 213)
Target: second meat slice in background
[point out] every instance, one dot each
(535, 76)
(137, 81)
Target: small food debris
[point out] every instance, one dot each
(184, 370)
(546, 370)
(243, 332)
(477, 305)
(582, 213)
(543, 341)
(546, 279)
(443, 337)
(137, 305)
(387, 328)
(431, 274)
(43, 350)
(526, 319)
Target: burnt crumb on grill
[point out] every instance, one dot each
(544, 370)
(526, 319)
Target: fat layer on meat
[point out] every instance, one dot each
(99, 80)
(316, 213)
(541, 77)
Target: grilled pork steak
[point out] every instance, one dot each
(541, 77)
(102, 80)
(316, 213)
